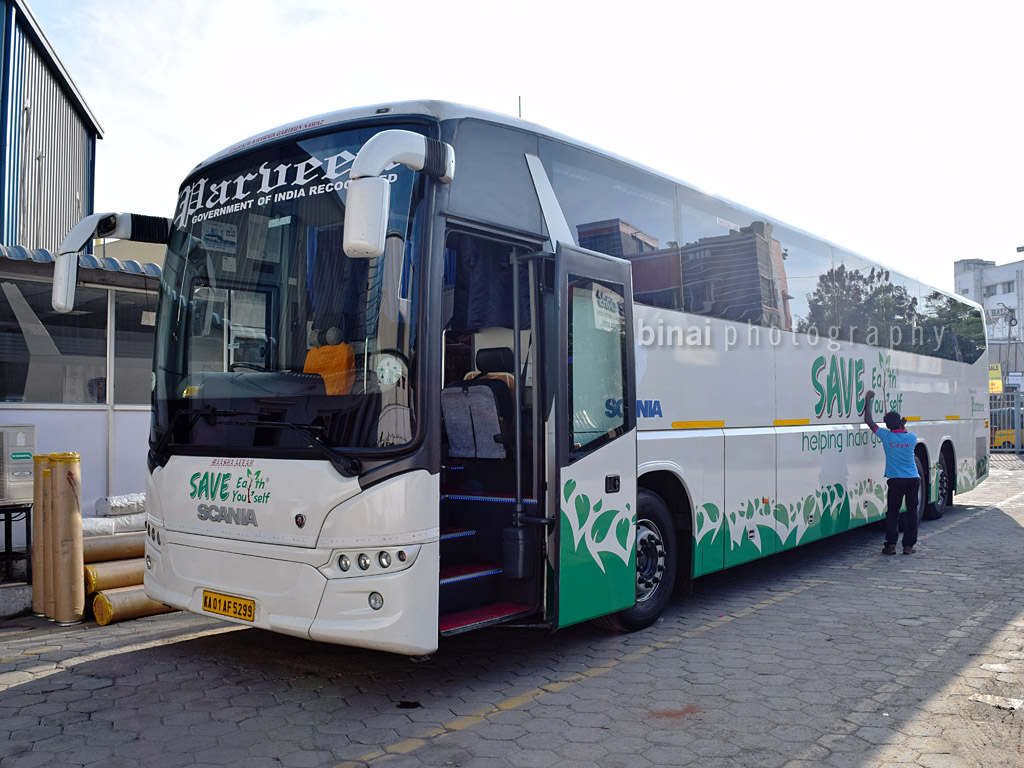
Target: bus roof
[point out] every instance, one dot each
(446, 110)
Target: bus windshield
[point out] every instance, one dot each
(265, 327)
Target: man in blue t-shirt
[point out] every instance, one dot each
(901, 469)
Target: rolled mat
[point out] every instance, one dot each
(39, 463)
(118, 546)
(48, 542)
(111, 574)
(125, 603)
(68, 585)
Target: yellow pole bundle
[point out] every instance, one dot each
(69, 586)
(38, 537)
(117, 546)
(124, 603)
(113, 574)
(49, 601)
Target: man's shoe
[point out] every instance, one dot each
(908, 550)
(889, 549)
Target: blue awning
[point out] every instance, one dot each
(85, 261)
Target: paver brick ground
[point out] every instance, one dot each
(827, 655)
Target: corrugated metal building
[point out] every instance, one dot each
(47, 138)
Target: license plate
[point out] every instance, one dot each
(228, 605)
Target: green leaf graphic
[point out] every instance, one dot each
(622, 532)
(602, 524)
(570, 486)
(582, 508)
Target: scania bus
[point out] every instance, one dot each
(422, 368)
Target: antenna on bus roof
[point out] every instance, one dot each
(520, 107)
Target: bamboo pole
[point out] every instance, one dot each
(49, 601)
(69, 586)
(125, 603)
(38, 540)
(116, 546)
(112, 574)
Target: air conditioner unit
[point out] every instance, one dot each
(17, 444)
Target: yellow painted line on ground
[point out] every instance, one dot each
(32, 652)
(50, 630)
(514, 702)
(38, 673)
(792, 422)
(697, 424)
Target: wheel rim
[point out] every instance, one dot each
(942, 482)
(650, 559)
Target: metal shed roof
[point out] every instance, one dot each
(85, 261)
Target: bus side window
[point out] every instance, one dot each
(597, 355)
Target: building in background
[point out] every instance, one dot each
(82, 379)
(48, 138)
(737, 276)
(1000, 290)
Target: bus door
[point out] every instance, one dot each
(590, 427)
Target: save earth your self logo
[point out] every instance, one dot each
(839, 383)
(224, 487)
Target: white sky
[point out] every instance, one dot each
(893, 128)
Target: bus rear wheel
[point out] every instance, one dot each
(943, 488)
(656, 558)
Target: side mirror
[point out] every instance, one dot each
(125, 226)
(369, 196)
(366, 217)
(65, 276)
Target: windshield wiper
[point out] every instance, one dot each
(157, 453)
(349, 466)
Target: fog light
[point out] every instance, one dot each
(149, 563)
(376, 601)
(364, 561)
(384, 559)
(344, 563)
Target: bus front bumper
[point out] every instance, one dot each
(297, 598)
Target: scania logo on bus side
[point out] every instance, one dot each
(232, 515)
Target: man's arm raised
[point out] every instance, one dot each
(869, 397)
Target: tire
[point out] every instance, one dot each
(944, 498)
(656, 559)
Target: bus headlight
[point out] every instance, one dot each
(384, 558)
(344, 563)
(363, 560)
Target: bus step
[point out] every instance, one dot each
(468, 586)
(458, 545)
(484, 615)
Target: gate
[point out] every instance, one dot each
(1005, 422)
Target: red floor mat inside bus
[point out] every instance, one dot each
(481, 615)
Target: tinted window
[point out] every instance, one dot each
(624, 212)
(134, 325)
(597, 363)
(47, 356)
(950, 328)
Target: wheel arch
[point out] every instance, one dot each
(668, 482)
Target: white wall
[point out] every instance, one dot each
(84, 429)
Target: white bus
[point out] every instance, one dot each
(422, 369)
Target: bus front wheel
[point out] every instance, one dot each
(656, 558)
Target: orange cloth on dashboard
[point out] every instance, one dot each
(336, 366)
